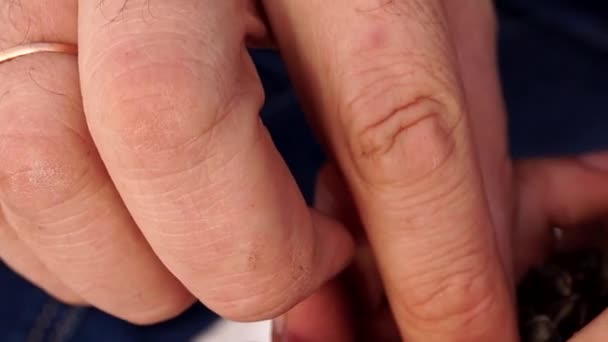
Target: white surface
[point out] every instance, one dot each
(225, 331)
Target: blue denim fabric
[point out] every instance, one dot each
(28, 314)
(554, 66)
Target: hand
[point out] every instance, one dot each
(526, 198)
(171, 189)
(139, 177)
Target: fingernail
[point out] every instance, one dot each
(278, 329)
(597, 160)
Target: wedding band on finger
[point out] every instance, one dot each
(32, 48)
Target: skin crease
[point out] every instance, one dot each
(141, 178)
(527, 199)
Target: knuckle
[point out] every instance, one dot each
(44, 163)
(162, 116)
(396, 134)
(251, 308)
(155, 103)
(273, 285)
(451, 300)
(261, 303)
(165, 311)
(150, 117)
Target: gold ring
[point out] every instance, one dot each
(27, 49)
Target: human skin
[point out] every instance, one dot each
(138, 177)
(527, 198)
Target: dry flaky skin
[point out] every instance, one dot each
(562, 296)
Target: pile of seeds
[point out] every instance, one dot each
(559, 298)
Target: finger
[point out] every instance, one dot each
(333, 198)
(596, 331)
(473, 30)
(324, 316)
(333, 314)
(58, 196)
(381, 75)
(360, 284)
(328, 315)
(172, 101)
(16, 255)
(28, 20)
(568, 191)
(557, 192)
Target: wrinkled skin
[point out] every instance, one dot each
(527, 198)
(138, 178)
